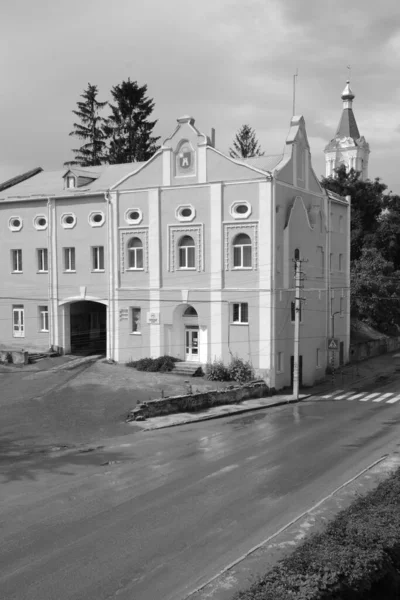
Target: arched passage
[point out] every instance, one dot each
(88, 327)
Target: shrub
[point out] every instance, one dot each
(217, 371)
(153, 365)
(240, 370)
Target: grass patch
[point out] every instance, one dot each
(356, 557)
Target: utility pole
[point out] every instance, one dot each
(297, 315)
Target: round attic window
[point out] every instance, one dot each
(185, 213)
(240, 210)
(40, 222)
(133, 216)
(15, 223)
(68, 220)
(96, 219)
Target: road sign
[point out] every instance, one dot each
(333, 344)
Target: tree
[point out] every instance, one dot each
(128, 128)
(367, 203)
(387, 239)
(90, 129)
(375, 290)
(245, 144)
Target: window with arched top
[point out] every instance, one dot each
(135, 253)
(242, 251)
(186, 252)
(190, 312)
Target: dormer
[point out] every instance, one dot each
(77, 178)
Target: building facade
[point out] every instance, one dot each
(189, 254)
(348, 147)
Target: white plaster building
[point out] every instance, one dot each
(347, 147)
(188, 254)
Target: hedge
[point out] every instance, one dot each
(162, 364)
(356, 557)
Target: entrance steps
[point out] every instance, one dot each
(190, 369)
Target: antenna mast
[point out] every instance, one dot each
(294, 92)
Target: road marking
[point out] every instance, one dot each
(369, 397)
(343, 396)
(382, 397)
(393, 400)
(356, 396)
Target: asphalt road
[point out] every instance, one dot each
(156, 514)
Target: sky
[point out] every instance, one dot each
(224, 62)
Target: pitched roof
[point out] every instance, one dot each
(264, 163)
(51, 183)
(347, 126)
(19, 178)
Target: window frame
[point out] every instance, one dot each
(280, 362)
(43, 314)
(21, 331)
(241, 248)
(318, 364)
(241, 319)
(70, 251)
(42, 257)
(16, 253)
(134, 252)
(138, 311)
(98, 259)
(184, 255)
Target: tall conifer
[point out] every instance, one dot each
(245, 144)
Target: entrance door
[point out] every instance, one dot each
(192, 343)
(18, 321)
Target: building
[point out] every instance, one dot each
(347, 147)
(189, 254)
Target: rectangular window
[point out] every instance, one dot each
(186, 257)
(340, 262)
(136, 318)
(280, 362)
(293, 312)
(42, 256)
(240, 312)
(43, 318)
(18, 320)
(318, 359)
(16, 259)
(69, 259)
(98, 258)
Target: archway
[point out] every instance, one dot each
(88, 327)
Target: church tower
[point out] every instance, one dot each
(347, 147)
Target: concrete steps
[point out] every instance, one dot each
(189, 369)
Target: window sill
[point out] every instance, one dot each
(98, 270)
(187, 269)
(135, 269)
(135, 333)
(16, 272)
(239, 323)
(69, 271)
(280, 372)
(42, 272)
(43, 331)
(242, 268)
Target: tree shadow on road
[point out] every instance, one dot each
(25, 460)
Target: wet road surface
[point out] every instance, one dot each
(156, 514)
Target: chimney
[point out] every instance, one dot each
(213, 137)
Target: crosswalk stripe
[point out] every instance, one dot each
(382, 397)
(356, 396)
(369, 397)
(332, 394)
(393, 400)
(343, 396)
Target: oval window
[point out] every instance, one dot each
(97, 218)
(134, 215)
(42, 222)
(186, 212)
(69, 219)
(242, 209)
(15, 222)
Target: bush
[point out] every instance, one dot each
(357, 556)
(217, 371)
(240, 370)
(153, 365)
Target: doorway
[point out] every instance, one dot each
(192, 343)
(88, 326)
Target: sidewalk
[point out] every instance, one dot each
(54, 363)
(245, 570)
(350, 377)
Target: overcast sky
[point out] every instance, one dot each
(224, 62)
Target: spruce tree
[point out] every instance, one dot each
(89, 129)
(128, 128)
(245, 144)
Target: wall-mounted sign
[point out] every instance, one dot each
(153, 318)
(123, 314)
(185, 160)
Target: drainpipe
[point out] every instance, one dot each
(50, 275)
(110, 268)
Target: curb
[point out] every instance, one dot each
(221, 415)
(231, 580)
